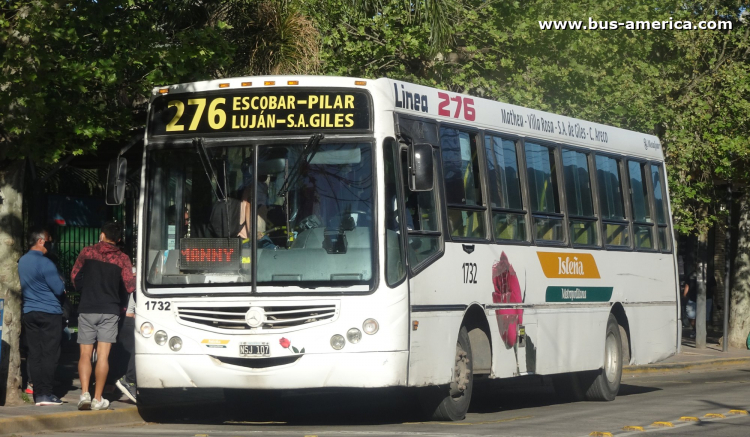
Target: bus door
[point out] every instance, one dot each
(419, 213)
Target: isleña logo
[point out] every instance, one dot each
(570, 267)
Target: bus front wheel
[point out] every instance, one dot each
(452, 402)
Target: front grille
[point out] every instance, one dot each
(279, 316)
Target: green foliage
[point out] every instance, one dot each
(691, 88)
(77, 75)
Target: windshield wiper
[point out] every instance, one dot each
(200, 147)
(308, 153)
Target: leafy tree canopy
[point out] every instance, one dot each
(77, 74)
(691, 88)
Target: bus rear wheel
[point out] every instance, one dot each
(452, 402)
(607, 382)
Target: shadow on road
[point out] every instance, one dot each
(299, 407)
(628, 390)
(341, 406)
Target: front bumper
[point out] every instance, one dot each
(356, 370)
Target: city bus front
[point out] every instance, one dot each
(258, 250)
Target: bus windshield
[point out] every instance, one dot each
(309, 214)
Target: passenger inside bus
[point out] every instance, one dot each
(232, 217)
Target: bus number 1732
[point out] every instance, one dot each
(470, 273)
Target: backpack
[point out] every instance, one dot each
(224, 221)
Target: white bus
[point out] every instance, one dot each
(310, 232)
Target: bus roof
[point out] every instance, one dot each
(449, 107)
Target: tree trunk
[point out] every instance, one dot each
(700, 281)
(11, 249)
(739, 306)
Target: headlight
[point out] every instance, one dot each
(175, 343)
(354, 335)
(370, 326)
(147, 329)
(338, 342)
(160, 337)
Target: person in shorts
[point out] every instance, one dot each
(102, 274)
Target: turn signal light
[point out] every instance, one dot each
(370, 326)
(147, 329)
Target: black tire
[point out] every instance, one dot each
(607, 382)
(450, 403)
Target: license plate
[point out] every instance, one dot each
(255, 350)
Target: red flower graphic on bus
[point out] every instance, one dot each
(507, 290)
(285, 343)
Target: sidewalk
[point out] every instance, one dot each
(27, 419)
(692, 358)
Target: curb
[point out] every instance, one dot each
(703, 364)
(69, 420)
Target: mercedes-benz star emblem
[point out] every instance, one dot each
(254, 317)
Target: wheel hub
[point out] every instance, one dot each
(460, 373)
(610, 358)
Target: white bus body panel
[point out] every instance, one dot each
(561, 337)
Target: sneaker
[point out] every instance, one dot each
(85, 402)
(99, 405)
(128, 388)
(29, 389)
(45, 400)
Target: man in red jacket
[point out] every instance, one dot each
(102, 274)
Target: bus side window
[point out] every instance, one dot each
(582, 219)
(616, 226)
(662, 215)
(508, 215)
(544, 195)
(463, 192)
(421, 219)
(643, 221)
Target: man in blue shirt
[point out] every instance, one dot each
(43, 290)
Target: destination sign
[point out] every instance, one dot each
(212, 254)
(247, 110)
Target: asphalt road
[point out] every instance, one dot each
(516, 408)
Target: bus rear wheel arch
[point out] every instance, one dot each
(602, 384)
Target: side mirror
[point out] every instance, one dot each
(116, 175)
(421, 167)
